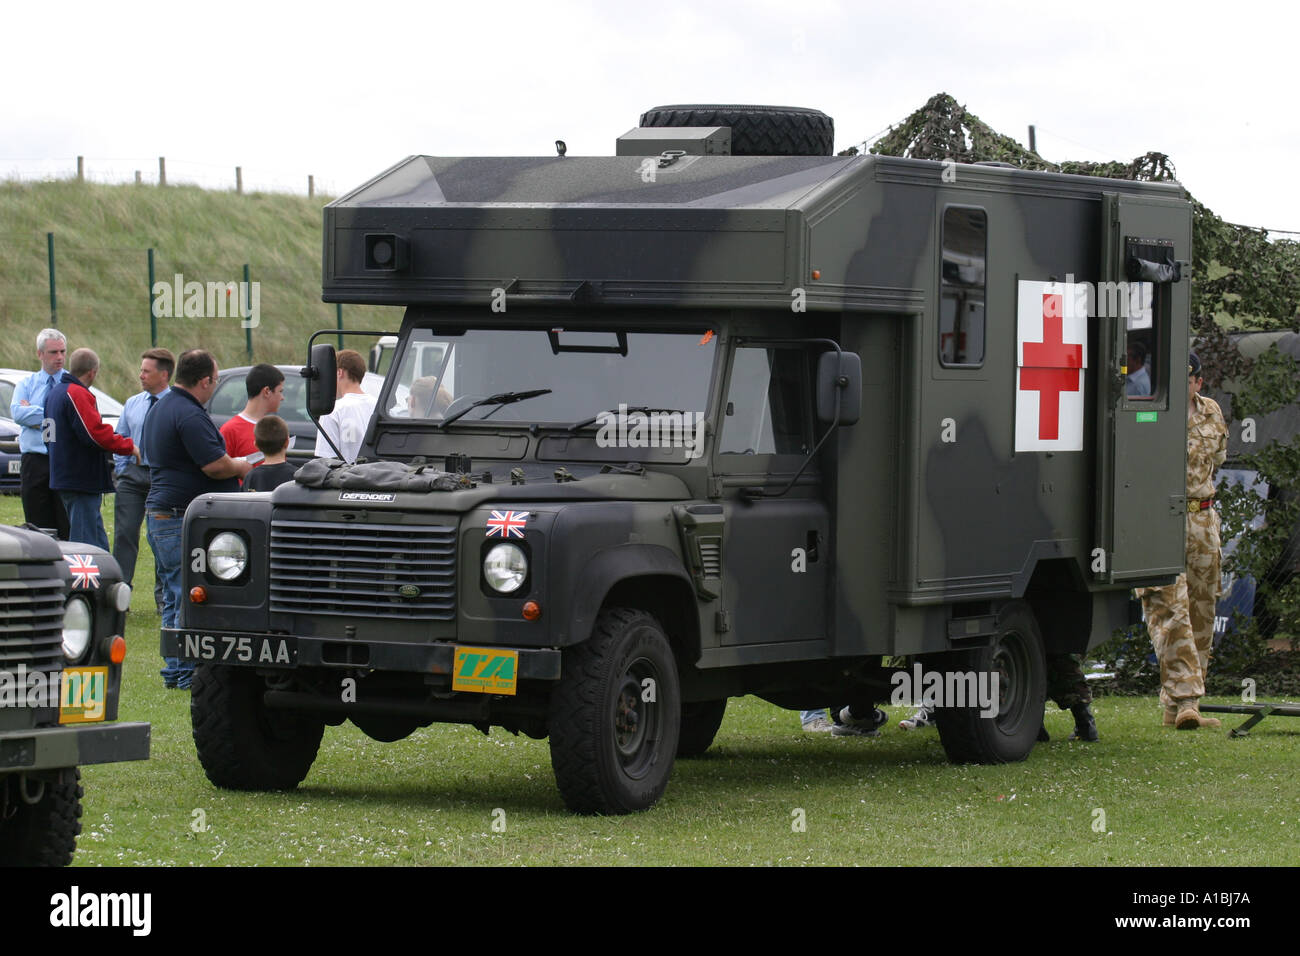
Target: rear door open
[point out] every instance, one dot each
(1142, 303)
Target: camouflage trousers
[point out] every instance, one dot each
(1066, 684)
(1180, 617)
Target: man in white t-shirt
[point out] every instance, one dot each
(352, 409)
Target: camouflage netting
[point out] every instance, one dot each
(1241, 281)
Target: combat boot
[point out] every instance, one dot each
(1189, 717)
(1085, 726)
(1171, 715)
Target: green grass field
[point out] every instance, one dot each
(765, 794)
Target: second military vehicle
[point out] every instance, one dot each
(62, 616)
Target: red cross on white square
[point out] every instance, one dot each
(1051, 323)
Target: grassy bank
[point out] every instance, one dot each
(102, 233)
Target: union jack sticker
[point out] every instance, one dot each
(507, 524)
(85, 572)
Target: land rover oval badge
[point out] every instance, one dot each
(409, 591)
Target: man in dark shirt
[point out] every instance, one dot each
(187, 458)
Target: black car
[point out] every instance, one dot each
(11, 459)
(231, 396)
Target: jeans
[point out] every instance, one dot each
(164, 532)
(808, 716)
(128, 515)
(84, 521)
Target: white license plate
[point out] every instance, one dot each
(240, 649)
(15, 466)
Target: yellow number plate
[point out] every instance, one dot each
(485, 670)
(83, 695)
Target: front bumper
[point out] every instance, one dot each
(287, 651)
(46, 748)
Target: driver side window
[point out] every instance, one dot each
(766, 400)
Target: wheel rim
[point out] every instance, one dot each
(637, 723)
(1011, 664)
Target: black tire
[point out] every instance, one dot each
(1016, 656)
(242, 744)
(756, 130)
(42, 833)
(700, 723)
(612, 750)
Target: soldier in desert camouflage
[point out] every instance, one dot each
(1180, 617)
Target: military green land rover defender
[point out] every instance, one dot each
(62, 613)
(722, 414)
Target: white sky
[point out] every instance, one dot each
(344, 90)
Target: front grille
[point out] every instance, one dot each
(356, 570)
(31, 624)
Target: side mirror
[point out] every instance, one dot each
(321, 380)
(839, 373)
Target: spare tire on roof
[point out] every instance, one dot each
(756, 130)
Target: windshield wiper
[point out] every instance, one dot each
(505, 398)
(646, 409)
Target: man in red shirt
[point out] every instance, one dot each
(265, 385)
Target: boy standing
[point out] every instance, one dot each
(272, 437)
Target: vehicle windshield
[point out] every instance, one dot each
(587, 373)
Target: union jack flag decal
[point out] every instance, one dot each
(85, 572)
(507, 524)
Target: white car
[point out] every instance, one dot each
(110, 409)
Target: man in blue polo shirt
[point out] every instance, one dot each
(41, 506)
(187, 458)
